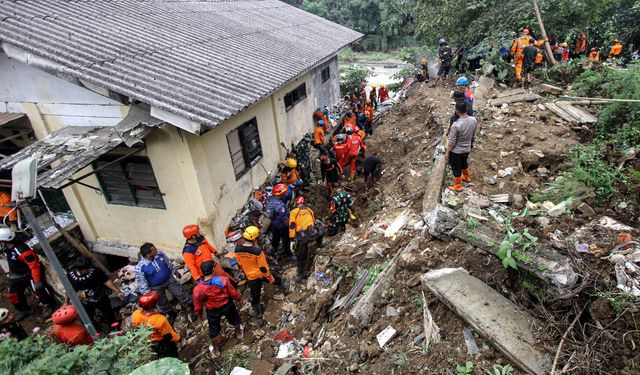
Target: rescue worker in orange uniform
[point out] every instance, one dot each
(301, 219)
(355, 146)
(341, 149)
(517, 49)
(581, 43)
(7, 210)
(253, 263)
(318, 116)
(67, 330)
(616, 49)
(319, 140)
(349, 119)
(373, 95)
(289, 174)
(383, 94)
(594, 55)
(369, 113)
(198, 250)
(163, 337)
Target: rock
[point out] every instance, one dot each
(586, 210)
(557, 210)
(354, 368)
(499, 136)
(415, 280)
(502, 173)
(542, 171)
(622, 205)
(278, 297)
(494, 166)
(518, 201)
(543, 221)
(373, 350)
(482, 202)
(326, 348)
(547, 205)
(542, 137)
(391, 311)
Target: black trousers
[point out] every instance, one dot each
(214, 316)
(104, 305)
(18, 287)
(255, 286)
(458, 162)
(278, 236)
(302, 253)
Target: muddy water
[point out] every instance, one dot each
(384, 70)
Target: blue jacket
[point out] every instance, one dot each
(278, 212)
(150, 273)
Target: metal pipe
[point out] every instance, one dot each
(57, 268)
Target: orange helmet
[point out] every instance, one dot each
(280, 190)
(526, 31)
(368, 101)
(64, 315)
(190, 230)
(149, 300)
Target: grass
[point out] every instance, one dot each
(373, 274)
(620, 301)
(236, 359)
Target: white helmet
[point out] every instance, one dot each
(3, 314)
(6, 234)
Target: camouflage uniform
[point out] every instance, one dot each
(304, 161)
(340, 204)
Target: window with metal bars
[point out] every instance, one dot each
(296, 96)
(129, 182)
(244, 147)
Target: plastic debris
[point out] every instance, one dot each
(385, 336)
(322, 277)
(583, 248)
(285, 350)
(472, 348)
(240, 371)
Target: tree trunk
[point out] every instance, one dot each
(547, 47)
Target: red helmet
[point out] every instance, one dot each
(190, 230)
(593, 49)
(363, 84)
(280, 190)
(526, 31)
(616, 41)
(149, 300)
(64, 315)
(300, 200)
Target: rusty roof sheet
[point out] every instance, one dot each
(203, 60)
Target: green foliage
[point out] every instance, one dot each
(235, 359)
(413, 55)
(620, 301)
(589, 167)
(514, 245)
(164, 366)
(465, 369)
(373, 274)
(500, 370)
(351, 78)
(37, 355)
(405, 72)
(342, 270)
(472, 223)
(348, 55)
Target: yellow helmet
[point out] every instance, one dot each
(291, 163)
(565, 44)
(373, 86)
(251, 233)
(423, 61)
(382, 85)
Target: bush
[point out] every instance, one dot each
(36, 355)
(351, 78)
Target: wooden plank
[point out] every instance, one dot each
(583, 116)
(498, 320)
(560, 112)
(511, 92)
(524, 97)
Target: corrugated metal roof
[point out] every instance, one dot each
(204, 60)
(8, 117)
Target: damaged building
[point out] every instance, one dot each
(153, 115)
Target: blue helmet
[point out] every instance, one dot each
(462, 81)
(321, 122)
(340, 137)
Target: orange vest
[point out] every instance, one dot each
(594, 56)
(252, 262)
(5, 207)
(159, 324)
(616, 50)
(318, 136)
(290, 177)
(300, 219)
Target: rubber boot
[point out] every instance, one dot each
(466, 175)
(457, 184)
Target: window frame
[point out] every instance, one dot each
(327, 69)
(295, 96)
(242, 137)
(122, 165)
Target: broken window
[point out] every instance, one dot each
(326, 74)
(296, 96)
(129, 182)
(244, 147)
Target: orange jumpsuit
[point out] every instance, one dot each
(616, 50)
(159, 324)
(289, 177)
(517, 49)
(594, 56)
(5, 207)
(581, 43)
(369, 112)
(318, 136)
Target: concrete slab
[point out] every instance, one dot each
(493, 316)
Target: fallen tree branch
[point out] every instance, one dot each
(564, 337)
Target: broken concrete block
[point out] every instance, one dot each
(493, 316)
(385, 336)
(586, 210)
(557, 210)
